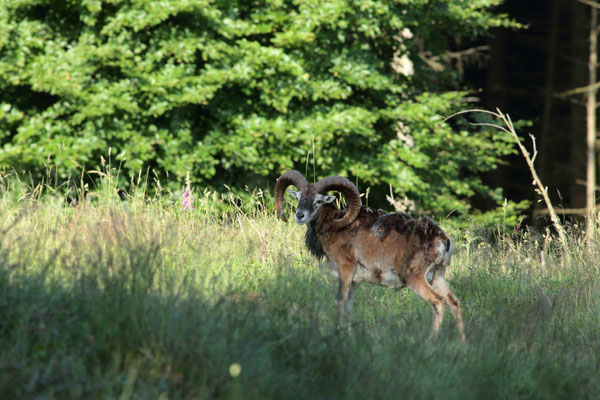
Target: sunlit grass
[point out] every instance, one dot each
(123, 295)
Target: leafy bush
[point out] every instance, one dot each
(236, 92)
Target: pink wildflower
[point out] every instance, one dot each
(187, 199)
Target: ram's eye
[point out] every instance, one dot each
(318, 202)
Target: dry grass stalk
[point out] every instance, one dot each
(541, 189)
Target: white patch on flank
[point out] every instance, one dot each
(441, 251)
(429, 273)
(387, 278)
(390, 278)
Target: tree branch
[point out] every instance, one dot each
(583, 89)
(589, 3)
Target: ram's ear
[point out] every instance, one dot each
(294, 194)
(328, 198)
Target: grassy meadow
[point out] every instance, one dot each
(141, 299)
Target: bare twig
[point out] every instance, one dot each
(566, 211)
(583, 89)
(583, 183)
(474, 53)
(590, 3)
(510, 129)
(535, 152)
(492, 125)
(470, 111)
(572, 100)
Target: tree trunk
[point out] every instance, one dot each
(549, 87)
(579, 78)
(590, 192)
(545, 134)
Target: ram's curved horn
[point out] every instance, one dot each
(349, 190)
(292, 177)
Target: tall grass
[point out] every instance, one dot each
(138, 298)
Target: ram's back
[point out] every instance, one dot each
(387, 241)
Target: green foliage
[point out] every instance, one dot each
(141, 299)
(237, 92)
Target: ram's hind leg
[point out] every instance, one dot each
(440, 285)
(421, 287)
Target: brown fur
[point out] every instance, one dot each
(390, 250)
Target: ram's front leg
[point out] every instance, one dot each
(346, 267)
(350, 301)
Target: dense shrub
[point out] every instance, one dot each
(235, 92)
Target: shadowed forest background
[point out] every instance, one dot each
(524, 72)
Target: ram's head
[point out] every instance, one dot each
(312, 197)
